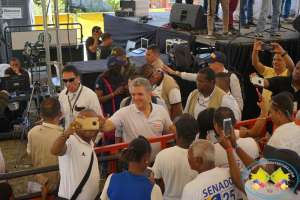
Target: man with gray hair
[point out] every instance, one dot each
(212, 182)
(141, 118)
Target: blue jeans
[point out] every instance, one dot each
(287, 7)
(249, 4)
(264, 14)
(104, 164)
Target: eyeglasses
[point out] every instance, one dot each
(149, 76)
(70, 80)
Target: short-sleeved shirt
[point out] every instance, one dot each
(212, 184)
(102, 52)
(90, 42)
(280, 84)
(108, 106)
(10, 71)
(87, 98)
(134, 123)
(72, 167)
(269, 73)
(286, 136)
(172, 165)
(247, 144)
(133, 187)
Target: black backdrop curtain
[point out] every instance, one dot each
(239, 56)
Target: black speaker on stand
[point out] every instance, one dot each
(188, 17)
(296, 24)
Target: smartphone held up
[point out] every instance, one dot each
(227, 126)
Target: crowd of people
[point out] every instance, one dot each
(131, 105)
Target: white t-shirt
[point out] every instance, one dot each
(212, 184)
(286, 136)
(73, 166)
(267, 192)
(172, 165)
(86, 99)
(247, 144)
(134, 123)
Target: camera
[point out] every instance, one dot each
(32, 50)
(89, 123)
(258, 81)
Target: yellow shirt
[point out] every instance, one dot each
(269, 73)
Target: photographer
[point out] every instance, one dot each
(283, 65)
(76, 157)
(92, 42)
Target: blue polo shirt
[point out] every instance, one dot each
(125, 185)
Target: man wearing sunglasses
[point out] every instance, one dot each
(76, 97)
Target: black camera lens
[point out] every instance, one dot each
(94, 123)
(259, 81)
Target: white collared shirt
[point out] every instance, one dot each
(202, 103)
(87, 99)
(286, 136)
(134, 123)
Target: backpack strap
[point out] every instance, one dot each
(128, 101)
(154, 99)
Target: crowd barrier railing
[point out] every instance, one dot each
(114, 149)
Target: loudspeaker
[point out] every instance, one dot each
(296, 24)
(188, 17)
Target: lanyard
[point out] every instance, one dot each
(72, 107)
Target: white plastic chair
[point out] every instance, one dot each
(3, 67)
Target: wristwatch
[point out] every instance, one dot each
(282, 55)
(176, 73)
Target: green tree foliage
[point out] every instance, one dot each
(38, 6)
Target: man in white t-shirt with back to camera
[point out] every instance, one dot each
(211, 182)
(171, 163)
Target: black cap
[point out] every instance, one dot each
(186, 125)
(285, 155)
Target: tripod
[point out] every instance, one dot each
(35, 90)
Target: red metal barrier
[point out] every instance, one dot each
(112, 148)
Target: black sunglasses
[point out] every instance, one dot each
(149, 76)
(70, 80)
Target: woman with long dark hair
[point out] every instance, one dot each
(111, 90)
(132, 184)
